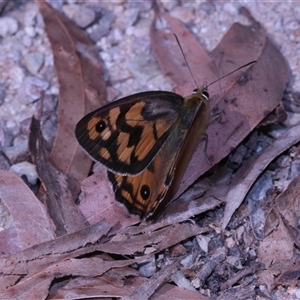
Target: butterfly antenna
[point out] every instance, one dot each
(185, 60)
(243, 66)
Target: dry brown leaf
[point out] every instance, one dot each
(30, 219)
(168, 291)
(243, 99)
(281, 233)
(286, 208)
(185, 208)
(129, 242)
(95, 288)
(145, 290)
(274, 251)
(173, 65)
(40, 265)
(251, 169)
(37, 286)
(9, 241)
(82, 89)
(99, 203)
(57, 195)
(290, 272)
(28, 267)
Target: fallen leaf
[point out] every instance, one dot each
(57, 195)
(98, 202)
(251, 169)
(242, 99)
(82, 89)
(27, 267)
(30, 219)
(274, 251)
(281, 234)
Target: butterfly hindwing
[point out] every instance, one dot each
(126, 135)
(142, 193)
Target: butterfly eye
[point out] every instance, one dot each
(205, 94)
(145, 192)
(100, 126)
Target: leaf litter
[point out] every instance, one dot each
(104, 251)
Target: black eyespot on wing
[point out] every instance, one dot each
(100, 127)
(145, 192)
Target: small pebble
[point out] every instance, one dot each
(4, 162)
(27, 41)
(2, 95)
(229, 242)
(8, 26)
(57, 4)
(183, 14)
(17, 152)
(70, 10)
(148, 269)
(30, 31)
(85, 17)
(34, 62)
(231, 8)
(203, 241)
(27, 169)
(30, 15)
(10, 124)
(103, 26)
(129, 17)
(33, 87)
(17, 75)
(82, 15)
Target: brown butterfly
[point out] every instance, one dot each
(138, 138)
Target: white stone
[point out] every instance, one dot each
(297, 293)
(33, 87)
(17, 75)
(8, 26)
(85, 17)
(30, 31)
(34, 61)
(70, 10)
(27, 169)
(231, 8)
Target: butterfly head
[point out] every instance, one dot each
(199, 97)
(202, 92)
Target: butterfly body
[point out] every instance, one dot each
(139, 139)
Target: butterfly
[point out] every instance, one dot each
(139, 139)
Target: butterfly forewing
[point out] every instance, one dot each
(126, 135)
